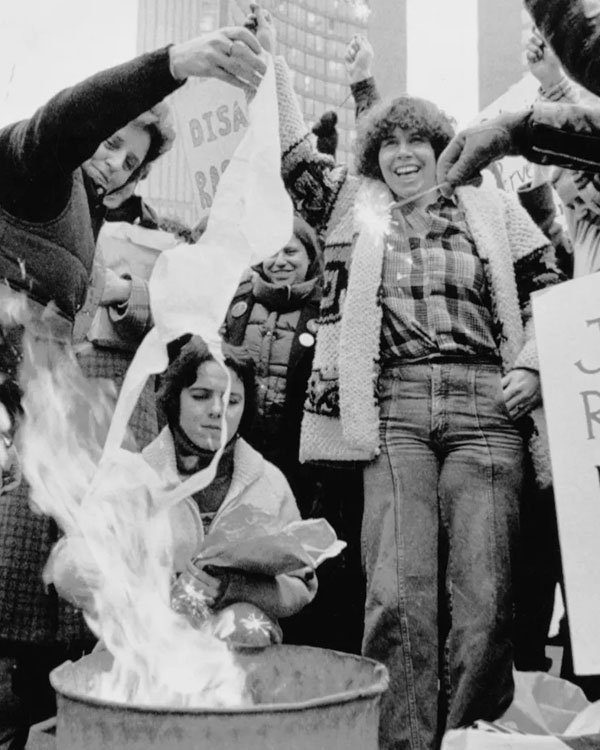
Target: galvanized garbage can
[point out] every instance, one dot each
(305, 699)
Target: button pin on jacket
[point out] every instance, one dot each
(239, 309)
(312, 325)
(306, 339)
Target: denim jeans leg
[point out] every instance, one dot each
(480, 482)
(400, 554)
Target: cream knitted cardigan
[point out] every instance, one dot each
(341, 415)
(349, 347)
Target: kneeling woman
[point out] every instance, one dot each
(192, 398)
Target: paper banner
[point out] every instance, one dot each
(567, 325)
(212, 119)
(192, 285)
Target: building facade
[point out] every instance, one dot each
(312, 36)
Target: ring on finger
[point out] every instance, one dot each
(231, 46)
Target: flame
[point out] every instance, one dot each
(108, 507)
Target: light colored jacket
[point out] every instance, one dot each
(257, 483)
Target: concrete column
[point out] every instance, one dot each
(387, 34)
(500, 47)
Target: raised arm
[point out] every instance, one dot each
(37, 156)
(359, 60)
(310, 177)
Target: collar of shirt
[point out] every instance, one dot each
(418, 218)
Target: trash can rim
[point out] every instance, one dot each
(378, 685)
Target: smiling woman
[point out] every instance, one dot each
(424, 369)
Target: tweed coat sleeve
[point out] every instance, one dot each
(312, 179)
(535, 268)
(578, 189)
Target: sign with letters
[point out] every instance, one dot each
(212, 117)
(567, 325)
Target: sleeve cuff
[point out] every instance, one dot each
(133, 319)
(563, 90)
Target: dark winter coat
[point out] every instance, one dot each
(278, 327)
(49, 213)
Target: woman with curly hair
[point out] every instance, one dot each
(424, 370)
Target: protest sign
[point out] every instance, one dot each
(567, 324)
(212, 118)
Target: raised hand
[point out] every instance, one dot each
(260, 22)
(231, 54)
(359, 58)
(542, 61)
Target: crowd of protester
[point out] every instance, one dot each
(384, 379)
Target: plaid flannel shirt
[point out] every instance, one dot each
(434, 287)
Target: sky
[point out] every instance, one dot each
(452, 40)
(46, 45)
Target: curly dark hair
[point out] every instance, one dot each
(187, 354)
(409, 112)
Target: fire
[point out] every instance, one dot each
(107, 507)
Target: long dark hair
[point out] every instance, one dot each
(187, 354)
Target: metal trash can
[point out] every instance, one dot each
(305, 699)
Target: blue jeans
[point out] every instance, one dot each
(439, 525)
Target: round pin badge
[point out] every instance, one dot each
(312, 325)
(306, 339)
(239, 309)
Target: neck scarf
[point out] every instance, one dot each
(191, 459)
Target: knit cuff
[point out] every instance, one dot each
(293, 132)
(563, 90)
(528, 357)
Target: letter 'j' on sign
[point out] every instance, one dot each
(567, 326)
